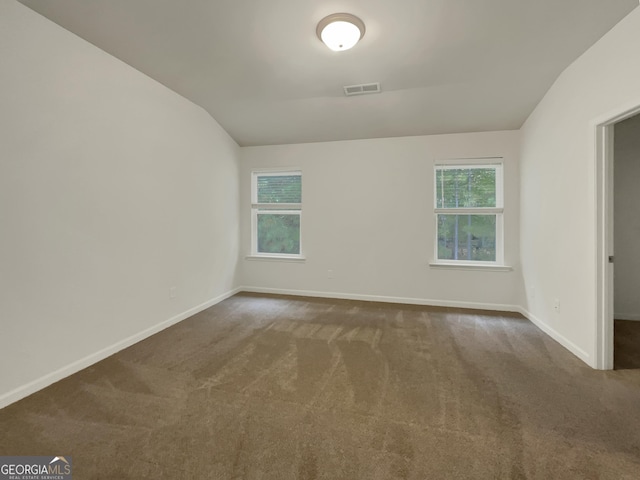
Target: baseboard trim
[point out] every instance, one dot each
(50, 378)
(572, 347)
(384, 299)
(561, 339)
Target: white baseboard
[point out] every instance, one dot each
(561, 339)
(627, 316)
(46, 380)
(572, 347)
(378, 298)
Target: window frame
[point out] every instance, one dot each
(273, 208)
(496, 163)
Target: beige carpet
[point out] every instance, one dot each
(263, 387)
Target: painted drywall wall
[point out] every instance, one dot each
(113, 189)
(558, 216)
(368, 217)
(626, 219)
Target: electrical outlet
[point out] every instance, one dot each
(329, 273)
(172, 292)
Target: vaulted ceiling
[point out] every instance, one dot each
(445, 66)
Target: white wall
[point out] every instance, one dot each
(112, 190)
(558, 219)
(627, 220)
(368, 216)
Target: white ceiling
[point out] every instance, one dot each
(257, 67)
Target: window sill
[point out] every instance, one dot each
(470, 266)
(277, 258)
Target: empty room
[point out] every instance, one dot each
(319, 239)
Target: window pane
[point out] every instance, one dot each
(466, 187)
(467, 237)
(279, 189)
(278, 233)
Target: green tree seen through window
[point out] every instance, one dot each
(466, 236)
(277, 210)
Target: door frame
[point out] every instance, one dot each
(602, 130)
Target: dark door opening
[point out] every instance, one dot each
(626, 238)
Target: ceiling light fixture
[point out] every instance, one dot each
(340, 31)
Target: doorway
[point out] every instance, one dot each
(626, 236)
(617, 342)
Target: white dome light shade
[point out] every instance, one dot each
(340, 35)
(340, 31)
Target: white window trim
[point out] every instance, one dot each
(460, 265)
(277, 257)
(284, 208)
(498, 211)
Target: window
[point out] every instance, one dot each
(468, 212)
(276, 210)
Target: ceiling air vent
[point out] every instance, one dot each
(363, 89)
